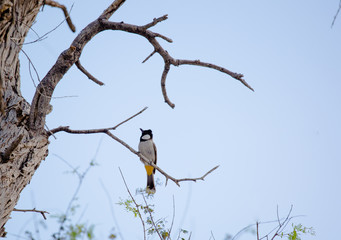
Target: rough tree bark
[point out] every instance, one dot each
(23, 139)
(21, 149)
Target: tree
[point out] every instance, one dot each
(23, 137)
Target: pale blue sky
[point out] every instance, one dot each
(277, 146)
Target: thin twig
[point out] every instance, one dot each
(32, 210)
(212, 235)
(29, 64)
(91, 131)
(170, 229)
(145, 108)
(199, 178)
(43, 37)
(81, 177)
(337, 13)
(83, 70)
(136, 205)
(66, 14)
(261, 223)
(279, 222)
(150, 55)
(155, 21)
(236, 76)
(112, 209)
(282, 225)
(151, 218)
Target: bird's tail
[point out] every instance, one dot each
(150, 183)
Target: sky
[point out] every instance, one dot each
(276, 147)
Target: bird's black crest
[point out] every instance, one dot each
(145, 132)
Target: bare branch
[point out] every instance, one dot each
(91, 131)
(286, 220)
(32, 210)
(83, 70)
(236, 76)
(199, 178)
(142, 158)
(168, 59)
(136, 205)
(155, 21)
(150, 55)
(163, 37)
(147, 161)
(145, 108)
(43, 37)
(163, 85)
(70, 56)
(66, 14)
(111, 9)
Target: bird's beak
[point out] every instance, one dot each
(141, 129)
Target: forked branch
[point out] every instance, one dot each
(142, 158)
(168, 59)
(71, 56)
(32, 210)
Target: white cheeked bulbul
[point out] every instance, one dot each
(148, 149)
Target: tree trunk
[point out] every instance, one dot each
(21, 148)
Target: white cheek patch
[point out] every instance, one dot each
(146, 137)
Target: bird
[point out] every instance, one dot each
(148, 149)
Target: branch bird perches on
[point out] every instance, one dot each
(143, 158)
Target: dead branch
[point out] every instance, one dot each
(143, 158)
(32, 210)
(163, 84)
(155, 21)
(83, 70)
(150, 55)
(111, 9)
(71, 55)
(66, 14)
(90, 131)
(168, 59)
(199, 178)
